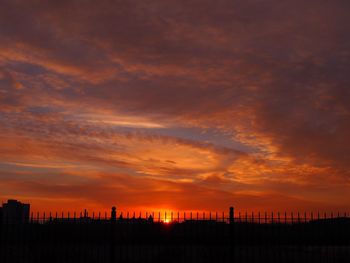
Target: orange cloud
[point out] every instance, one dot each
(175, 105)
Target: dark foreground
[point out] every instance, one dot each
(191, 241)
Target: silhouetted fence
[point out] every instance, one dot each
(178, 217)
(177, 237)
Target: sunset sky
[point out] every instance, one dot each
(175, 105)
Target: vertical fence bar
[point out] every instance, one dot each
(285, 217)
(271, 217)
(232, 234)
(232, 215)
(112, 235)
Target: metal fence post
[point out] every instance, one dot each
(272, 218)
(232, 234)
(112, 236)
(231, 215)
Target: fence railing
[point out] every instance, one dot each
(179, 217)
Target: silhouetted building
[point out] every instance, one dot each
(14, 212)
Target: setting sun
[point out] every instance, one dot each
(142, 105)
(167, 221)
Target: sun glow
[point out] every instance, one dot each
(167, 221)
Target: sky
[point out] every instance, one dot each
(175, 105)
